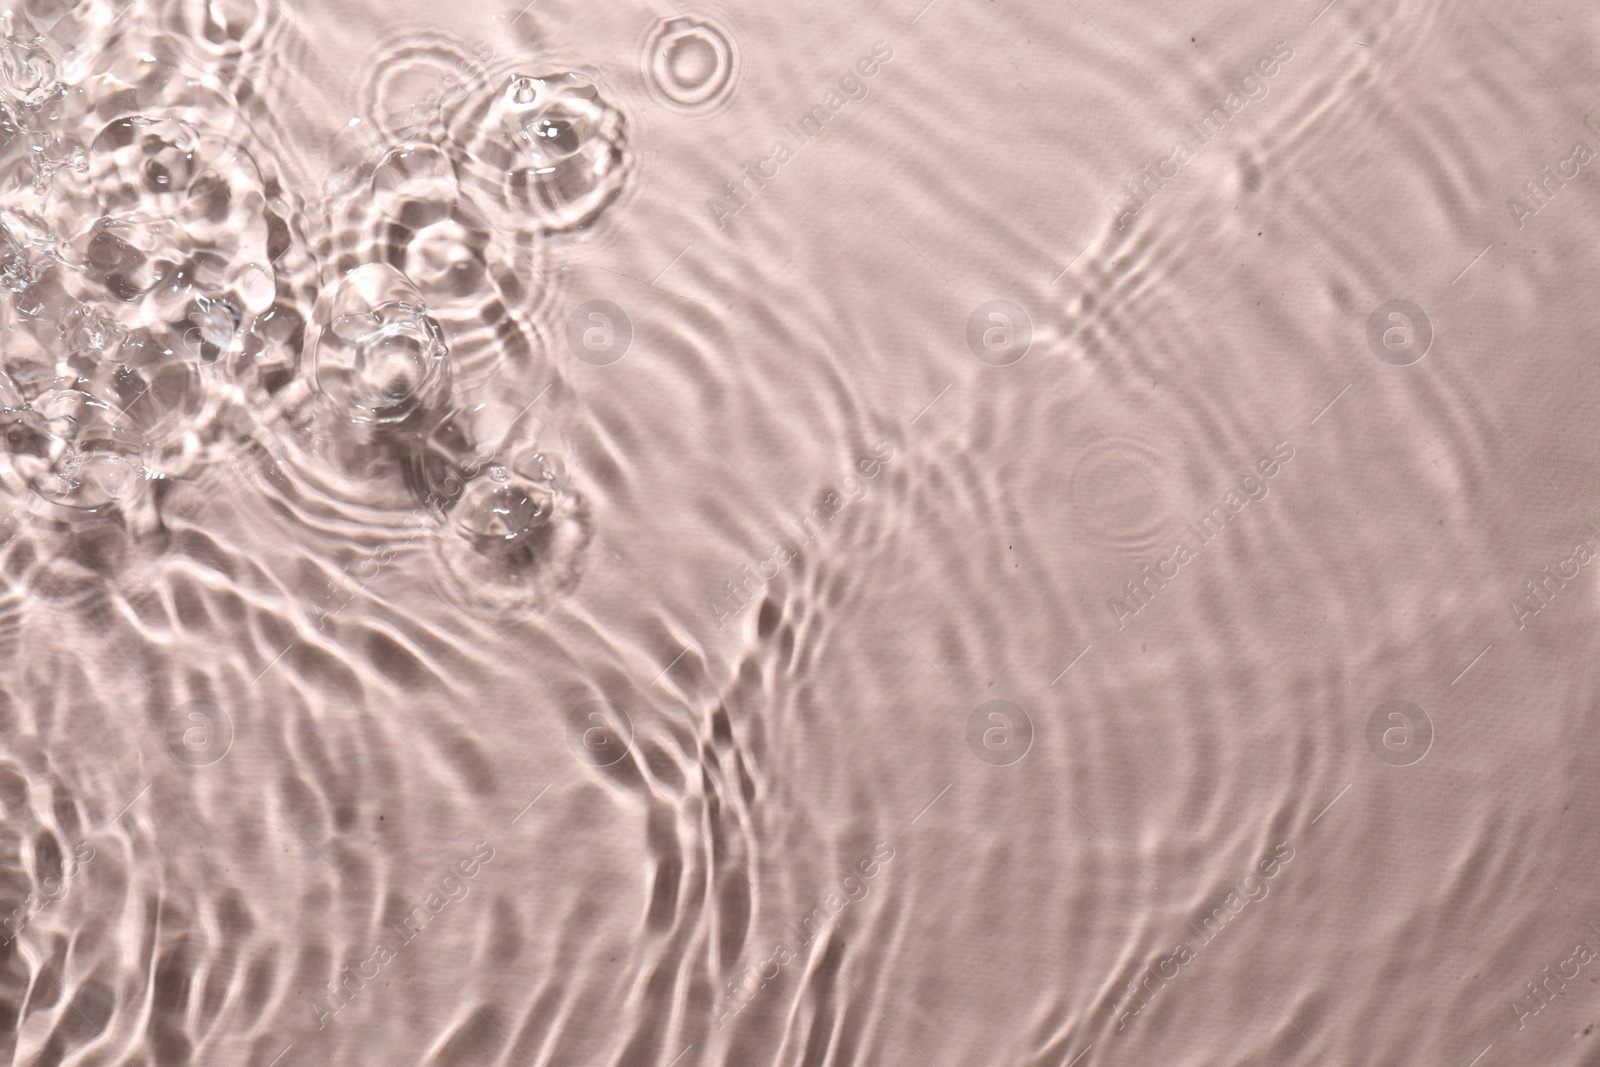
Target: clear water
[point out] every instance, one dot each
(953, 533)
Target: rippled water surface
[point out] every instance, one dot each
(955, 533)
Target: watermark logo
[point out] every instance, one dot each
(1138, 993)
(999, 733)
(1142, 187)
(820, 922)
(1399, 733)
(452, 888)
(999, 333)
(199, 733)
(599, 733)
(1541, 189)
(599, 332)
(1549, 582)
(1399, 333)
(744, 588)
(1140, 591)
(52, 887)
(1549, 984)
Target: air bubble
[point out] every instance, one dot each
(381, 358)
(552, 146)
(515, 533)
(496, 516)
(691, 64)
(29, 68)
(68, 449)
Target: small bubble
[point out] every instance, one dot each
(691, 64)
(560, 138)
(381, 358)
(552, 147)
(552, 469)
(500, 515)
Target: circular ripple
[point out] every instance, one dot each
(1115, 499)
(548, 146)
(163, 232)
(223, 28)
(414, 81)
(155, 316)
(516, 527)
(483, 280)
(691, 64)
(381, 358)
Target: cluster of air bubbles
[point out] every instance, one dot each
(28, 65)
(171, 295)
(67, 448)
(33, 97)
(429, 232)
